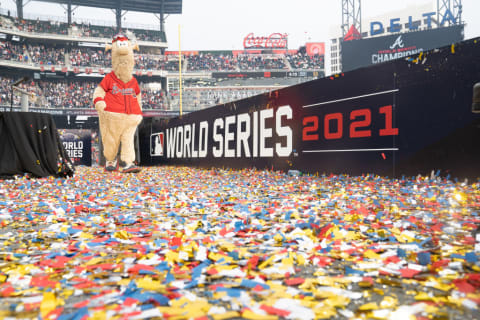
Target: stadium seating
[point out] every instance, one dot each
(85, 30)
(71, 94)
(36, 54)
(305, 62)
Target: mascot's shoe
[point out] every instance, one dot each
(131, 168)
(111, 165)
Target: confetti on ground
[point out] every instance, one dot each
(189, 243)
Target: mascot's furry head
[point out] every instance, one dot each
(123, 60)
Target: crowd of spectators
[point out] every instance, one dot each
(304, 61)
(67, 95)
(71, 94)
(88, 57)
(155, 62)
(40, 26)
(85, 29)
(97, 57)
(89, 30)
(40, 54)
(78, 94)
(154, 99)
(12, 51)
(209, 62)
(6, 90)
(79, 57)
(252, 62)
(260, 63)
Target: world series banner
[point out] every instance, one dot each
(78, 145)
(408, 116)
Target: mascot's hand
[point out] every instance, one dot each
(100, 106)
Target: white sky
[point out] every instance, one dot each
(222, 24)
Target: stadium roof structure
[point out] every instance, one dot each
(147, 6)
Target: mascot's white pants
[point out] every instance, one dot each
(117, 128)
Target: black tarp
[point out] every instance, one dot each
(30, 144)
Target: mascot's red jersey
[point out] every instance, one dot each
(121, 97)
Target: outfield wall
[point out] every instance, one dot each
(403, 117)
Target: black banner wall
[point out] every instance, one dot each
(365, 52)
(78, 145)
(409, 116)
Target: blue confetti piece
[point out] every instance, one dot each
(252, 284)
(73, 231)
(80, 313)
(351, 271)
(471, 257)
(231, 292)
(424, 258)
(169, 278)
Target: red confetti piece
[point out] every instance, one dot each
(409, 273)
(275, 311)
(463, 286)
(42, 281)
(294, 281)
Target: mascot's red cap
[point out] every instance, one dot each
(120, 37)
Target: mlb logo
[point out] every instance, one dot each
(156, 144)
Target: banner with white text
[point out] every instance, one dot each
(401, 117)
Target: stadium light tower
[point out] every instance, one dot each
(351, 15)
(445, 7)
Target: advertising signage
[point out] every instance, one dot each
(379, 120)
(396, 24)
(273, 41)
(267, 74)
(365, 52)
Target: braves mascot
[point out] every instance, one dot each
(118, 102)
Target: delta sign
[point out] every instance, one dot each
(377, 27)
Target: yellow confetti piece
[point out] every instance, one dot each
(325, 313)
(434, 310)
(226, 315)
(267, 262)
(172, 257)
(370, 254)
(249, 314)
(287, 263)
(217, 256)
(337, 301)
(278, 237)
(122, 235)
(300, 259)
(98, 315)
(443, 286)
(148, 283)
(365, 284)
(368, 306)
(94, 261)
(49, 303)
(174, 311)
(388, 303)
